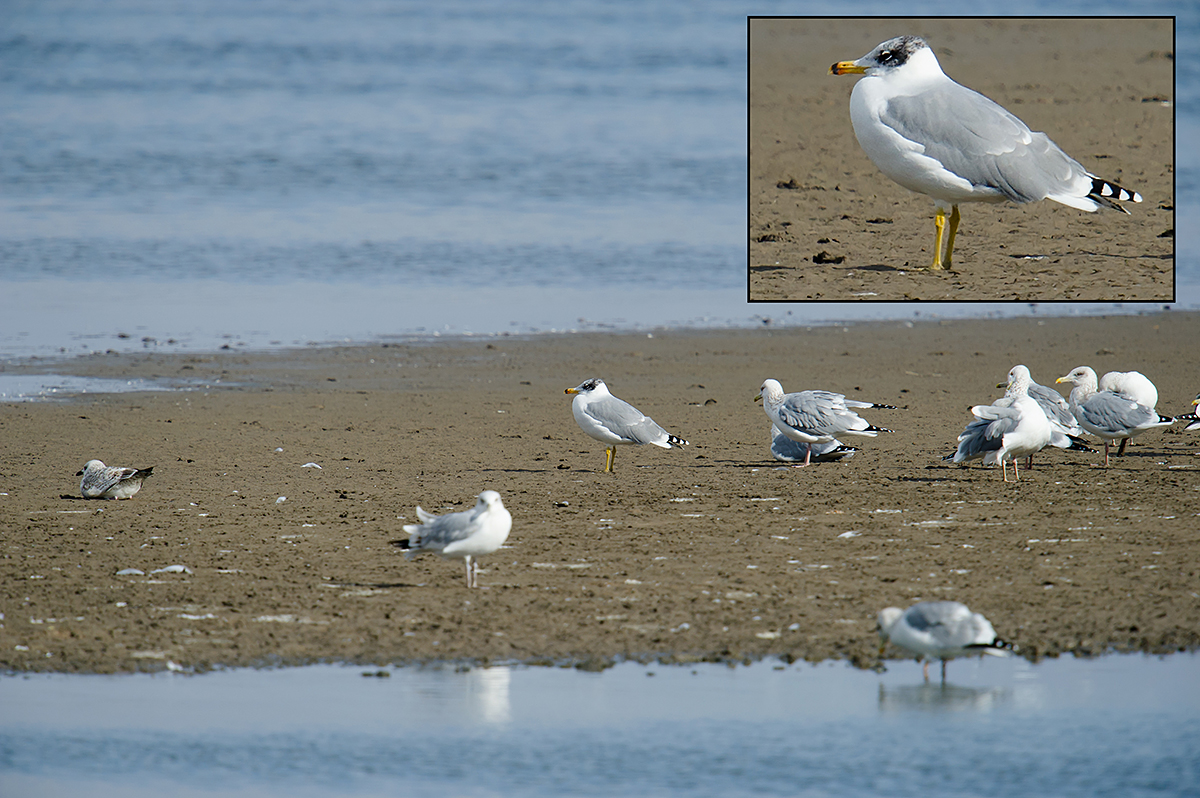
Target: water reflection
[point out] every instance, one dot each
(931, 697)
(487, 690)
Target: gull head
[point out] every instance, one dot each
(488, 499)
(90, 465)
(884, 622)
(889, 57)
(1018, 380)
(589, 386)
(1082, 376)
(770, 392)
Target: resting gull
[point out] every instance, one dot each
(941, 629)
(786, 450)
(1108, 415)
(110, 482)
(614, 421)
(815, 416)
(467, 535)
(938, 138)
(1132, 385)
(1013, 426)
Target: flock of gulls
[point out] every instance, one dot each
(805, 428)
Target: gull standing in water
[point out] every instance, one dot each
(467, 535)
(1012, 427)
(614, 421)
(110, 482)
(937, 138)
(815, 417)
(1108, 415)
(941, 629)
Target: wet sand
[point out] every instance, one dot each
(710, 552)
(825, 224)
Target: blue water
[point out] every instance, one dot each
(279, 172)
(1115, 726)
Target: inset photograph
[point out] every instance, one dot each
(961, 159)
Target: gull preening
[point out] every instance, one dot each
(614, 421)
(786, 450)
(467, 535)
(939, 629)
(1012, 427)
(1131, 384)
(110, 482)
(938, 138)
(815, 417)
(1108, 415)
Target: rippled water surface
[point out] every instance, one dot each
(1114, 726)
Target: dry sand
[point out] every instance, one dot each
(711, 552)
(825, 224)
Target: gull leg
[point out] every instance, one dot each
(1106, 454)
(807, 457)
(1016, 478)
(926, 669)
(468, 562)
(944, 661)
(610, 458)
(950, 239)
(939, 222)
(1121, 451)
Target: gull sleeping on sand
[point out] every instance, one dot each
(1012, 427)
(940, 629)
(613, 421)
(467, 535)
(786, 450)
(937, 138)
(1107, 415)
(815, 416)
(110, 482)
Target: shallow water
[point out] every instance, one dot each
(1118, 725)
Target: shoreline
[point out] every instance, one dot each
(711, 553)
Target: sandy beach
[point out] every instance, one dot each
(825, 224)
(710, 552)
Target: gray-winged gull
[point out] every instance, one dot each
(938, 138)
(815, 416)
(467, 535)
(941, 629)
(1108, 415)
(614, 421)
(1012, 427)
(110, 482)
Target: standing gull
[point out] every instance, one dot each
(941, 629)
(937, 138)
(815, 417)
(467, 535)
(1132, 385)
(1108, 415)
(110, 482)
(1012, 427)
(1065, 432)
(614, 421)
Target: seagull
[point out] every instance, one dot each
(467, 535)
(1132, 385)
(1012, 427)
(1065, 432)
(815, 417)
(614, 421)
(937, 138)
(1108, 415)
(1193, 417)
(110, 482)
(786, 450)
(941, 629)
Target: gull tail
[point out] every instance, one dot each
(1078, 445)
(674, 441)
(1106, 194)
(997, 648)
